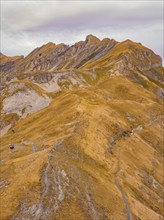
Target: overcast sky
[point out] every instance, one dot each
(26, 25)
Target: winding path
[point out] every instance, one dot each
(124, 197)
(40, 210)
(123, 194)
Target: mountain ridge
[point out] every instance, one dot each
(86, 125)
(52, 51)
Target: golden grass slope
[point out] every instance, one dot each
(93, 153)
(134, 54)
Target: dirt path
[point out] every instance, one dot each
(34, 148)
(124, 197)
(116, 176)
(40, 210)
(91, 206)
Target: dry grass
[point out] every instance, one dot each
(86, 119)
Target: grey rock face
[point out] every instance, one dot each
(24, 103)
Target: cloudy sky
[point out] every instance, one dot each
(26, 25)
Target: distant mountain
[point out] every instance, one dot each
(89, 54)
(7, 63)
(86, 124)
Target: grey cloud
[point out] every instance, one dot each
(29, 24)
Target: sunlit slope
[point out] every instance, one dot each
(132, 54)
(93, 153)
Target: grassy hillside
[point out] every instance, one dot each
(94, 153)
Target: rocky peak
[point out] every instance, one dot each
(124, 57)
(92, 39)
(108, 41)
(61, 46)
(46, 48)
(128, 41)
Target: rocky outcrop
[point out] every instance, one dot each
(134, 57)
(42, 77)
(93, 53)
(54, 57)
(22, 99)
(24, 103)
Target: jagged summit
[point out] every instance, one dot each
(92, 39)
(116, 57)
(107, 40)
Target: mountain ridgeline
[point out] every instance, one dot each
(86, 55)
(82, 132)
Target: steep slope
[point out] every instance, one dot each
(41, 58)
(93, 147)
(130, 55)
(86, 146)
